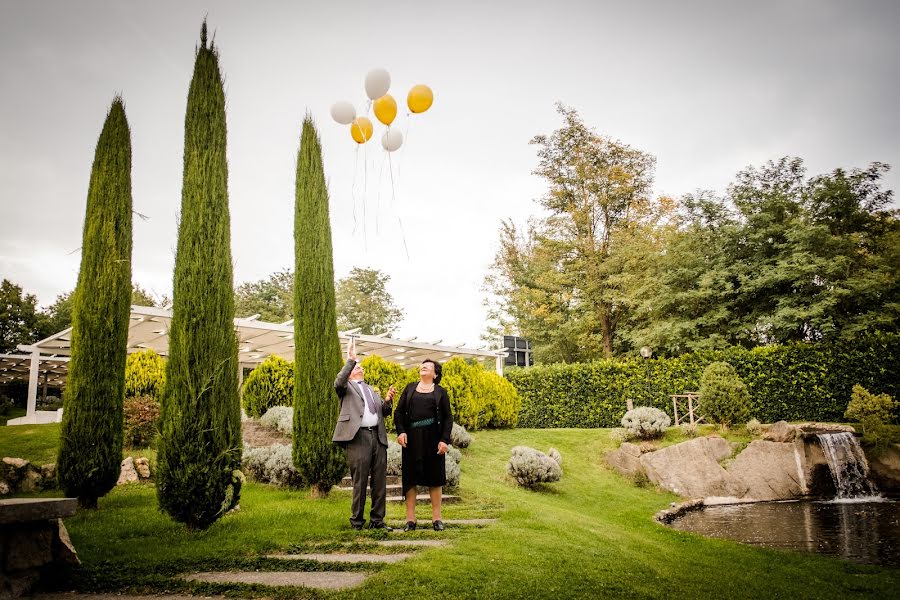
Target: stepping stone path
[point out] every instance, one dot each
(323, 580)
(344, 558)
(395, 491)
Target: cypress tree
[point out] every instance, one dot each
(90, 451)
(200, 445)
(317, 350)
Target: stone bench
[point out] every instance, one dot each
(34, 542)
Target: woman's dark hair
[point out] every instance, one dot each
(437, 369)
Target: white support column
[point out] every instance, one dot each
(500, 365)
(31, 405)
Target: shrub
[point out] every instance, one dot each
(723, 396)
(555, 455)
(618, 435)
(141, 421)
(145, 374)
(49, 403)
(868, 408)
(645, 422)
(454, 457)
(689, 430)
(754, 427)
(6, 405)
(530, 467)
(394, 459)
(793, 382)
(459, 437)
(270, 384)
(272, 464)
(280, 418)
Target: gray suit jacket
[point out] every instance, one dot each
(352, 407)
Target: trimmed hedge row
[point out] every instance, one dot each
(796, 382)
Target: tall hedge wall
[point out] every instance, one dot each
(796, 382)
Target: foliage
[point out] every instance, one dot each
(141, 421)
(316, 346)
(91, 450)
(272, 464)
(363, 302)
(200, 446)
(394, 459)
(557, 283)
(869, 409)
(451, 467)
(271, 299)
(270, 384)
(280, 418)
(530, 467)
(382, 374)
(645, 422)
(20, 322)
(459, 437)
(754, 427)
(791, 382)
(145, 374)
(689, 430)
(479, 398)
(724, 398)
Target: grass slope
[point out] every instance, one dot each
(591, 535)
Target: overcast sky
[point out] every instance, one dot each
(706, 87)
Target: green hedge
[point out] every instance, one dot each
(795, 382)
(145, 374)
(270, 384)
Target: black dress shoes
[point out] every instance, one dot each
(381, 525)
(410, 526)
(438, 525)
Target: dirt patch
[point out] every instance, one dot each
(259, 436)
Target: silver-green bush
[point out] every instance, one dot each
(530, 467)
(459, 437)
(280, 418)
(645, 422)
(272, 464)
(754, 427)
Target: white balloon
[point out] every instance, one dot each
(392, 140)
(343, 112)
(378, 82)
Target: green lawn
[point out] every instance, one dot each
(590, 535)
(36, 443)
(14, 413)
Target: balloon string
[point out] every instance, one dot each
(393, 194)
(365, 193)
(353, 186)
(378, 199)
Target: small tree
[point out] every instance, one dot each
(145, 374)
(90, 450)
(270, 384)
(869, 409)
(200, 446)
(363, 301)
(317, 350)
(724, 398)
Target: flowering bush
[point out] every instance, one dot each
(280, 418)
(459, 437)
(530, 467)
(141, 421)
(645, 422)
(272, 464)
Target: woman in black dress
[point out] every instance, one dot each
(424, 420)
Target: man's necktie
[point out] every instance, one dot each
(367, 394)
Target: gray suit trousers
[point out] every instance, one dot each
(368, 463)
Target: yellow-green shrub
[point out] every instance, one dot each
(145, 374)
(270, 384)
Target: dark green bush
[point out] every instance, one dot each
(270, 384)
(723, 396)
(141, 421)
(794, 382)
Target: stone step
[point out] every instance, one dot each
(425, 499)
(340, 557)
(391, 480)
(397, 524)
(422, 543)
(394, 489)
(322, 580)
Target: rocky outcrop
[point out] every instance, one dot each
(782, 431)
(884, 468)
(626, 459)
(770, 470)
(692, 468)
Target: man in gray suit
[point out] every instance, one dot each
(360, 430)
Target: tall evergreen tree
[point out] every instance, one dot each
(90, 451)
(317, 351)
(200, 447)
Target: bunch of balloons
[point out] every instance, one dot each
(378, 82)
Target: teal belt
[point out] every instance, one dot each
(422, 423)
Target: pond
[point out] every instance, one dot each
(865, 530)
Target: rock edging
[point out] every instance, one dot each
(677, 510)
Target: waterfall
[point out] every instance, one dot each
(848, 465)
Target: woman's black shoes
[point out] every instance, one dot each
(410, 526)
(438, 525)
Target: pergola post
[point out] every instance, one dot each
(31, 406)
(500, 365)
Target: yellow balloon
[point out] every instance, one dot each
(420, 98)
(361, 130)
(386, 109)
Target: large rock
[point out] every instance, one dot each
(128, 474)
(626, 459)
(142, 466)
(13, 470)
(885, 468)
(4, 488)
(31, 482)
(770, 470)
(692, 469)
(782, 431)
(48, 475)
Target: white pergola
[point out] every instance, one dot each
(257, 340)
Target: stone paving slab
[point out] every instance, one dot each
(397, 524)
(425, 499)
(424, 543)
(323, 580)
(21, 510)
(344, 557)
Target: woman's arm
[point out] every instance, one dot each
(446, 415)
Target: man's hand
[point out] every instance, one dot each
(392, 391)
(351, 349)
(442, 448)
(401, 439)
